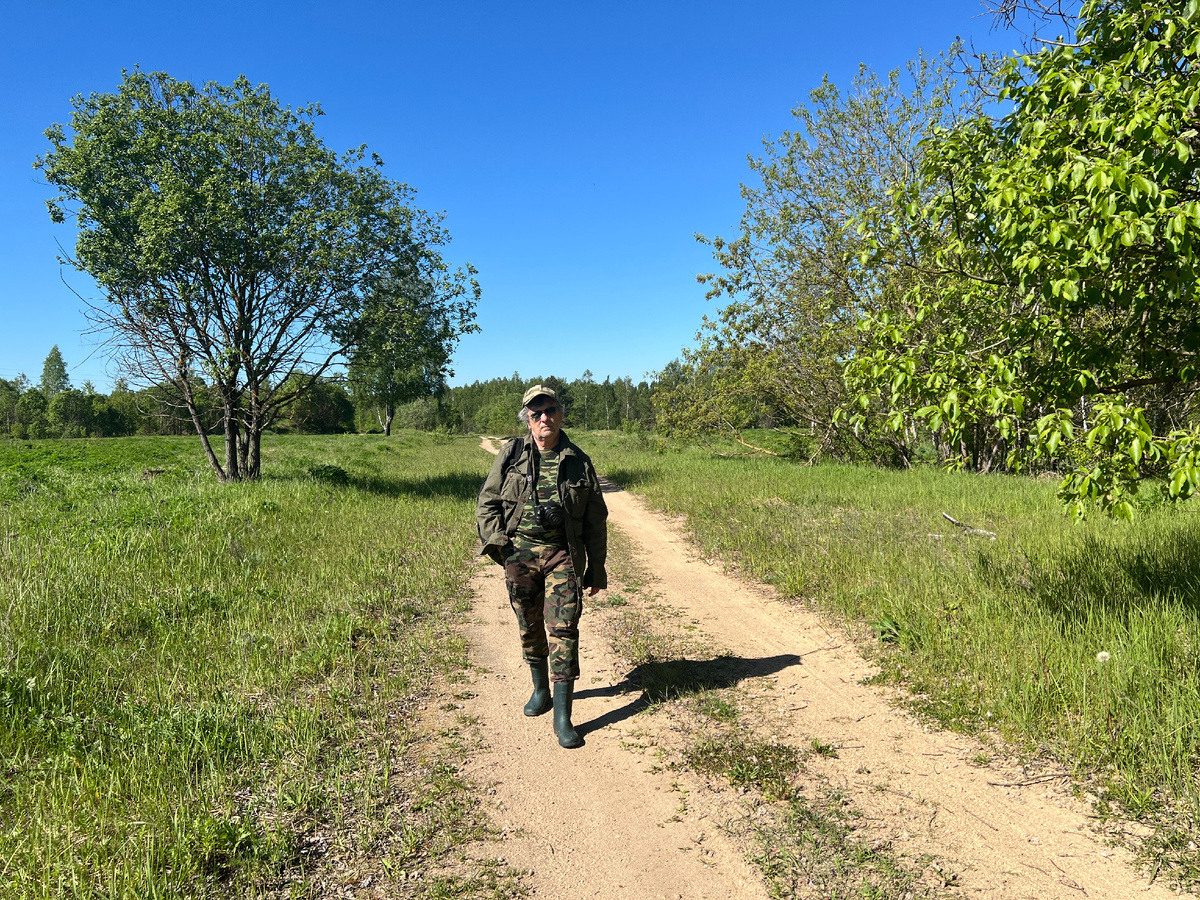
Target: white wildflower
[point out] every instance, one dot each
(1102, 656)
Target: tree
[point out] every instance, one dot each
(31, 415)
(794, 277)
(231, 247)
(69, 414)
(120, 414)
(583, 387)
(323, 409)
(10, 394)
(1065, 287)
(409, 327)
(54, 374)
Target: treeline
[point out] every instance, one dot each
(53, 408)
(492, 406)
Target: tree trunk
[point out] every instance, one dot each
(254, 458)
(243, 448)
(232, 435)
(253, 427)
(389, 413)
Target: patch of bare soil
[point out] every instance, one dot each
(622, 817)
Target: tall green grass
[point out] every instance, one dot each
(1078, 641)
(209, 689)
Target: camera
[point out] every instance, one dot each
(548, 515)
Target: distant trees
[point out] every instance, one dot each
(54, 374)
(31, 415)
(401, 343)
(10, 394)
(324, 408)
(25, 411)
(492, 406)
(70, 413)
(232, 248)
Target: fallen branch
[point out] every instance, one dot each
(737, 436)
(752, 447)
(967, 529)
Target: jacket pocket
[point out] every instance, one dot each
(510, 493)
(575, 497)
(511, 489)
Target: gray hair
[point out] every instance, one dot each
(523, 415)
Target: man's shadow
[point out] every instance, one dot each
(654, 682)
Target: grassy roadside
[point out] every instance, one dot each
(1078, 642)
(213, 690)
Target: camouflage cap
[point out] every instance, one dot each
(538, 390)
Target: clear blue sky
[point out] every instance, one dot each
(575, 148)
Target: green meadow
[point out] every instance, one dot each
(1078, 642)
(212, 690)
(215, 690)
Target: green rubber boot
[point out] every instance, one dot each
(539, 700)
(568, 737)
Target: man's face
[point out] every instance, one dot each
(545, 421)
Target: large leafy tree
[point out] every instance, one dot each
(794, 278)
(406, 334)
(228, 242)
(1063, 293)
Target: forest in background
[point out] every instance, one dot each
(53, 408)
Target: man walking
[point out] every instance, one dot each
(541, 515)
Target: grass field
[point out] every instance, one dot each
(1078, 642)
(211, 690)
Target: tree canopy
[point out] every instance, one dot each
(230, 244)
(1058, 302)
(406, 333)
(54, 374)
(793, 278)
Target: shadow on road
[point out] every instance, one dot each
(658, 681)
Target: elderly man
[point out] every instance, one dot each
(541, 515)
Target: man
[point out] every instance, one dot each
(541, 515)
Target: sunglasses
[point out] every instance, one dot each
(547, 411)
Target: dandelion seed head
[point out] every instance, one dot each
(1102, 656)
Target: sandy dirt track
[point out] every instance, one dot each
(601, 821)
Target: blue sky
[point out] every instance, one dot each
(575, 148)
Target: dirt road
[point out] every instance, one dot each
(611, 820)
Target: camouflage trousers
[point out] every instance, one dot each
(545, 595)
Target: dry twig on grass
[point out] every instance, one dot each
(967, 529)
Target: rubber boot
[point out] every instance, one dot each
(539, 700)
(568, 737)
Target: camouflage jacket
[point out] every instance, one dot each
(503, 496)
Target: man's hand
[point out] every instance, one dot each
(592, 592)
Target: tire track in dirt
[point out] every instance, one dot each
(596, 822)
